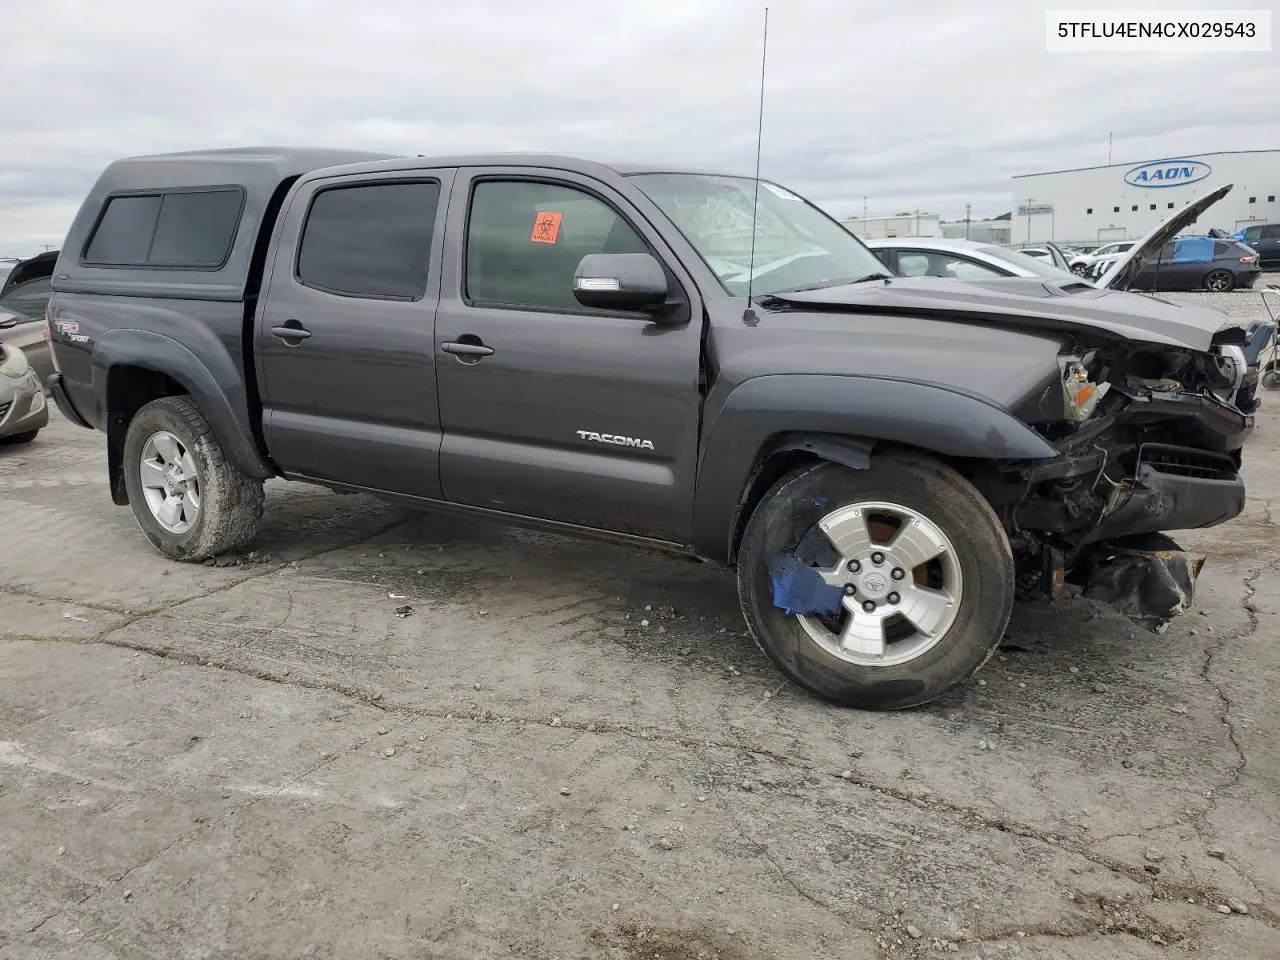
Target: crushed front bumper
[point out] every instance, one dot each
(1175, 488)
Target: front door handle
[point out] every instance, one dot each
(468, 348)
(291, 330)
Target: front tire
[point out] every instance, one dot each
(932, 595)
(189, 501)
(19, 438)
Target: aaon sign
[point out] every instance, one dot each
(1167, 173)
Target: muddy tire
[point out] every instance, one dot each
(188, 500)
(939, 621)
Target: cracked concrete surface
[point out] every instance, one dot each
(572, 750)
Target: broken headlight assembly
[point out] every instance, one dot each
(1080, 393)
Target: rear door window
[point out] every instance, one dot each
(370, 240)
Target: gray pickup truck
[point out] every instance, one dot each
(691, 361)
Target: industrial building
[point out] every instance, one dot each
(903, 225)
(1125, 200)
(980, 231)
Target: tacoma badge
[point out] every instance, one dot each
(616, 439)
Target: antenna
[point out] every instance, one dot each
(749, 315)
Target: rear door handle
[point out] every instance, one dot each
(291, 330)
(469, 350)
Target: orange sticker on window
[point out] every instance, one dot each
(546, 226)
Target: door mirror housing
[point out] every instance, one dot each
(620, 281)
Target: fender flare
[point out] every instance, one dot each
(211, 379)
(839, 418)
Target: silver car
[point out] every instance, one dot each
(962, 260)
(23, 409)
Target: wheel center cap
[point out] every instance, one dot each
(874, 584)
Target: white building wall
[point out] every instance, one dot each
(1125, 200)
(981, 231)
(912, 225)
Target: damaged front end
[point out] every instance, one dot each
(1149, 440)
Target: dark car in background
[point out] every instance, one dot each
(1193, 263)
(24, 294)
(1265, 239)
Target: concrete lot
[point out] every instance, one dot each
(571, 750)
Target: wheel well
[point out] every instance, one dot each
(129, 389)
(771, 467)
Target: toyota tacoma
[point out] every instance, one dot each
(686, 360)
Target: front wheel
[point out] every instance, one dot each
(923, 569)
(189, 501)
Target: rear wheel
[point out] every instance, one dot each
(923, 566)
(1219, 281)
(188, 500)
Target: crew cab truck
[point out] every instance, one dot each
(694, 361)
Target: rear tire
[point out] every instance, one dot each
(820, 655)
(1219, 281)
(192, 504)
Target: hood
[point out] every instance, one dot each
(41, 265)
(1121, 273)
(1059, 258)
(1021, 302)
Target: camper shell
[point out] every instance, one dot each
(239, 189)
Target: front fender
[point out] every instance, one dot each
(212, 379)
(928, 416)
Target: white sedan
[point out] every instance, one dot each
(962, 260)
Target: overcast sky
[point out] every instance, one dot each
(925, 104)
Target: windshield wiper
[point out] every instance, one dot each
(840, 283)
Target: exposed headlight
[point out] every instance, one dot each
(1232, 358)
(1080, 395)
(13, 362)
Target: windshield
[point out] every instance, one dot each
(1034, 265)
(796, 244)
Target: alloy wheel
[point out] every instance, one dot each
(901, 581)
(170, 482)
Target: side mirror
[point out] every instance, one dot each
(620, 281)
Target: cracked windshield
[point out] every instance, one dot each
(797, 246)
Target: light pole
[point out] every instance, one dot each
(966, 221)
(1030, 200)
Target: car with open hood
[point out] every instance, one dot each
(1164, 260)
(695, 362)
